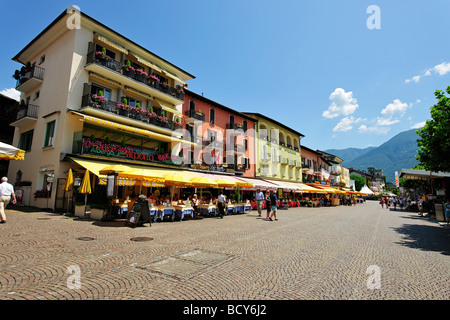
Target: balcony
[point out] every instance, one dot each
(116, 71)
(113, 111)
(30, 79)
(27, 114)
(193, 115)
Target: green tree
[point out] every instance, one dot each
(434, 145)
(359, 181)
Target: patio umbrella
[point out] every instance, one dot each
(142, 175)
(85, 188)
(176, 180)
(68, 186)
(115, 168)
(9, 152)
(202, 182)
(224, 183)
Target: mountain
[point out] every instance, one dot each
(395, 154)
(350, 153)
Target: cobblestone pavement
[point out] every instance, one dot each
(359, 252)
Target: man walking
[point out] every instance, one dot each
(259, 200)
(221, 204)
(6, 192)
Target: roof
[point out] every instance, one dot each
(216, 104)
(255, 114)
(412, 174)
(84, 15)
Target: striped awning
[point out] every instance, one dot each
(146, 63)
(138, 93)
(123, 127)
(112, 44)
(167, 107)
(99, 77)
(95, 166)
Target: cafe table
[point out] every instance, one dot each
(207, 209)
(238, 207)
(229, 207)
(165, 211)
(182, 210)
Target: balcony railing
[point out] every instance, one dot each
(114, 107)
(28, 111)
(195, 115)
(35, 73)
(148, 81)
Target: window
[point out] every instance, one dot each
(109, 53)
(212, 115)
(244, 126)
(95, 89)
(50, 134)
(247, 163)
(245, 144)
(42, 60)
(36, 95)
(26, 139)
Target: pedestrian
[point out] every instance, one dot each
(382, 202)
(195, 204)
(268, 205)
(259, 200)
(447, 211)
(221, 204)
(273, 206)
(6, 193)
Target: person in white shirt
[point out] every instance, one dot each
(6, 193)
(259, 200)
(221, 204)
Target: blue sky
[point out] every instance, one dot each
(312, 65)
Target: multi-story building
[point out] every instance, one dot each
(92, 95)
(277, 150)
(224, 137)
(314, 166)
(335, 167)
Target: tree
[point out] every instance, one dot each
(434, 145)
(359, 182)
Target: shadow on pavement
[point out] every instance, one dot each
(428, 238)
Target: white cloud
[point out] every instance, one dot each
(374, 129)
(441, 69)
(342, 103)
(12, 93)
(386, 122)
(346, 123)
(418, 125)
(395, 107)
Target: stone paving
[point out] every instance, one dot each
(360, 252)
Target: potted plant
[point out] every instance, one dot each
(16, 75)
(138, 111)
(153, 79)
(101, 55)
(123, 107)
(179, 90)
(178, 121)
(127, 68)
(99, 99)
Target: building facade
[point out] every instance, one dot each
(277, 150)
(224, 137)
(93, 96)
(314, 166)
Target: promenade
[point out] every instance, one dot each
(359, 252)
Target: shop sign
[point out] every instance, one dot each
(117, 151)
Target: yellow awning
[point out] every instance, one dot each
(123, 127)
(146, 63)
(112, 44)
(95, 166)
(166, 106)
